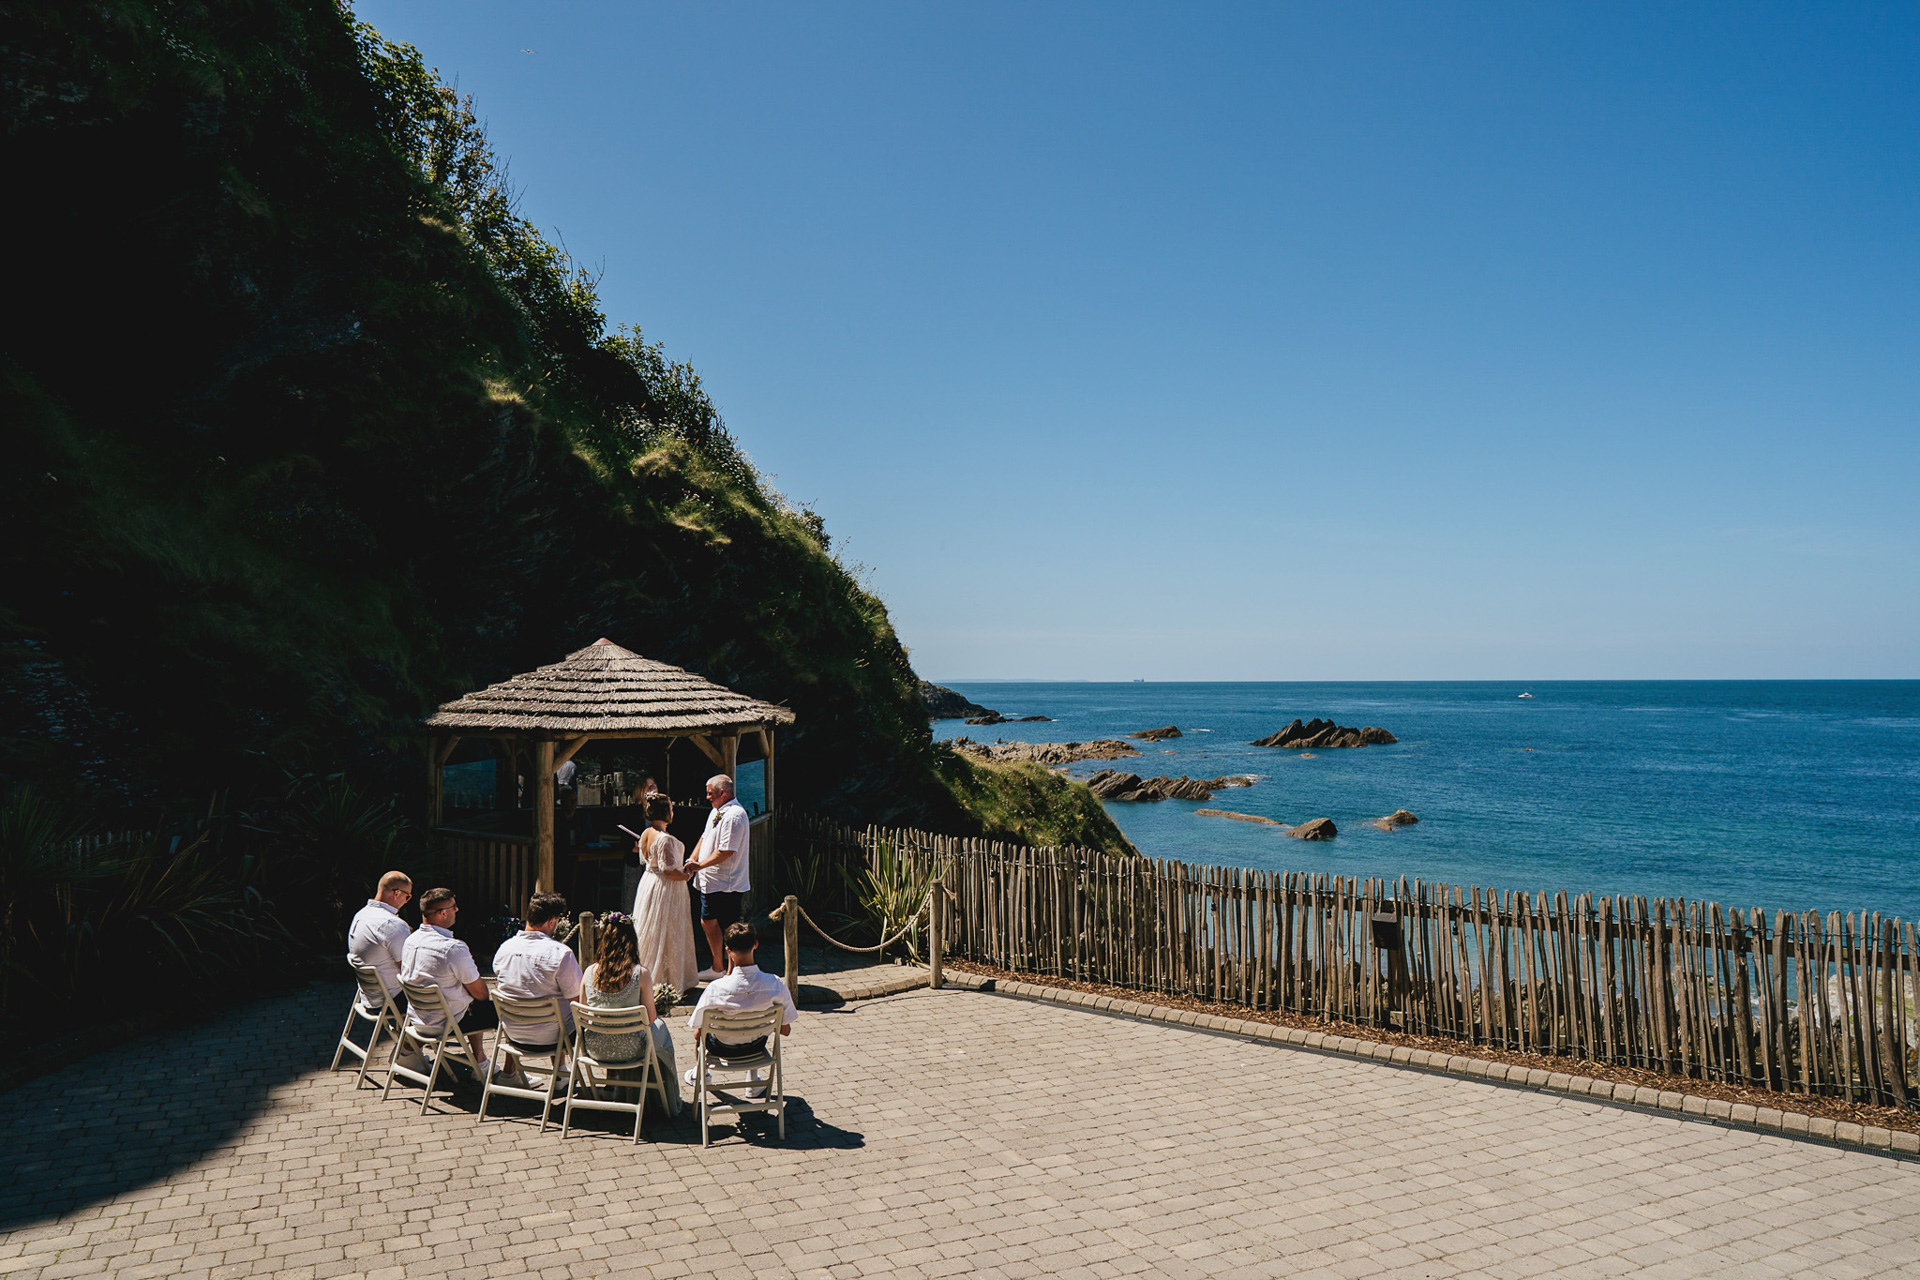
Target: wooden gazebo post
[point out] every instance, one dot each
(543, 768)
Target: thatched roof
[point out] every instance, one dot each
(606, 689)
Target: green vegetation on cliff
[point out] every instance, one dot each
(309, 430)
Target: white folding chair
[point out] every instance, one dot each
(735, 1027)
(612, 1022)
(521, 1017)
(428, 1001)
(369, 992)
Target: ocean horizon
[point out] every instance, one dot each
(1781, 794)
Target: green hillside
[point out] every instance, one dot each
(308, 430)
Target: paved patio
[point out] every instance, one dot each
(934, 1133)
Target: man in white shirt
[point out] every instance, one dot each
(433, 954)
(378, 936)
(744, 989)
(719, 864)
(533, 964)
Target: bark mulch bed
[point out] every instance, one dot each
(1798, 1103)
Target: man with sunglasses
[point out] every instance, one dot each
(377, 937)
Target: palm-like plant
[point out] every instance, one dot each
(892, 889)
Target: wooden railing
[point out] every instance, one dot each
(1799, 1003)
(760, 870)
(489, 868)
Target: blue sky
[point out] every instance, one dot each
(1266, 342)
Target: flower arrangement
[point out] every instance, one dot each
(616, 917)
(506, 924)
(665, 997)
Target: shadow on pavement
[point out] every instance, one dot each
(133, 1114)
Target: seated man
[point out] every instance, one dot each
(744, 989)
(377, 937)
(533, 964)
(433, 954)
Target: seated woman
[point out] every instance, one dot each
(617, 980)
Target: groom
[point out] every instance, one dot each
(719, 867)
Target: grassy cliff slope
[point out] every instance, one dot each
(308, 430)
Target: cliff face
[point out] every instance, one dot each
(308, 431)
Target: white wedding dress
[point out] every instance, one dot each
(661, 917)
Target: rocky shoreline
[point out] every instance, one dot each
(1047, 753)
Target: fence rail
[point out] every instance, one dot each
(1796, 1003)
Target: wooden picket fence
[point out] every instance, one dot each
(1797, 1003)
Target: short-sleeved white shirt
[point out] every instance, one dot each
(744, 990)
(530, 965)
(377, 938)
(434, 955)
(565, 774)
(726, 829)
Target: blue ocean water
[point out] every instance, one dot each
(1776, 794)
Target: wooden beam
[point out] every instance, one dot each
(436, 782)
(443, 748)
(766, 745)
(730, 756)
(506, 776)
(566, 751)
(708, 749)
(543, 767)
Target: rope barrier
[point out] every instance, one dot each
(911, 920)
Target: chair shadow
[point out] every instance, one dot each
(141, 1111)
(806, 1131)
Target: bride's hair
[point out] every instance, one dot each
(659, 809)
(619, 956)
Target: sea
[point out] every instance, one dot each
(1784, 795)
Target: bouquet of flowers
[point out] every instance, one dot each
(665, 997)
(506, 924)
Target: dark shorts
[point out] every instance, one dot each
(753, 1048)
(723, 908)
(479, 1016)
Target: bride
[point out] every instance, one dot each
(661, 918)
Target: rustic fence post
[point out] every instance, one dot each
(934, 913)
(789, 914)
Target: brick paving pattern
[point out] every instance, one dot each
(933, 1133)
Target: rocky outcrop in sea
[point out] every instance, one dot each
(994, 717)
(1157, 735)
(1316, 734)
(1398, 818)
(943, 703)
(1110, 784)
(1314, 829)
(1047, 753)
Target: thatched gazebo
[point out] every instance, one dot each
(600, 692)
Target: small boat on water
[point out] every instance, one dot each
(1527, 695)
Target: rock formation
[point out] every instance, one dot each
(1398, 818)
(944, 704)
(1109, 784)
(1300, 736)
(1237, 817)
(1047, 753)
(1314, 829)
(1157, 735)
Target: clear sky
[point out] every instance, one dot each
(1276, 342)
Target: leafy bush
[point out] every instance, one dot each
(90, 925)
